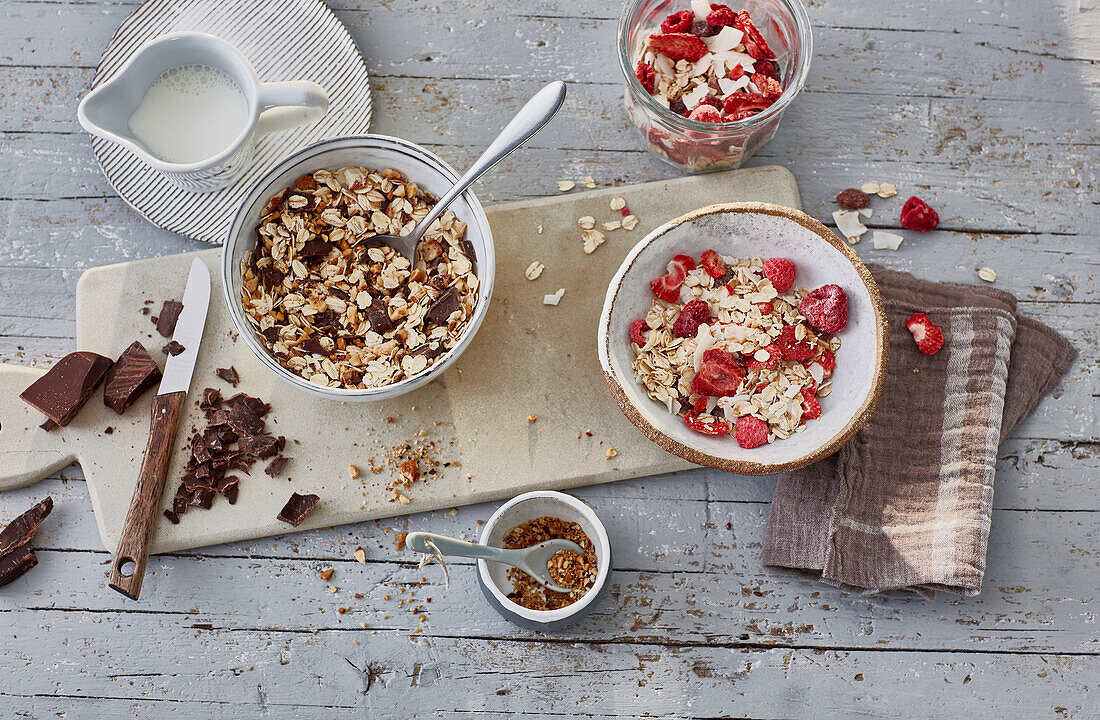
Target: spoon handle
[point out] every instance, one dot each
(451, 546)
(528, 121)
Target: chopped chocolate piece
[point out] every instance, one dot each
(173, 348)
(297, 509)
(276, 466)
(145, 311)
(703, 29)
(211, 399)
(108, 430)
(63, 390)
(280, 443)
(443, 306)
(226, 483)
(431, 350)
(379, 317)
(271, 276)
(314, 249)
(203, 497)
(200, 450)
(339, 293)
(467, 249)
(259, 446)
(232, 492)
(271, 334)
(169, 314)
(20, 530)
(49, 425)
(677, 106)
(228, 374)
(172, 516)
(313, 345)
(254, 405)
(133, 373)
(17, 562)
(437, 281)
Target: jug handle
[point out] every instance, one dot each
(285, 105)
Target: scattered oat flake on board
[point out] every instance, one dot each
(534, 270)
(586, 222)
(886, 240)
(553, 298)
(539, 229)
(589, 182)
(630, 222)
(617, 202)
(611, 452)
(849, 224)
(887, 190)
(988, 274)
(592, 240)
(612, 225)
(566, 185)
(870, 188)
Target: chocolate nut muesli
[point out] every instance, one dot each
(341, 310)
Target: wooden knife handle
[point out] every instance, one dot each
(133, 546)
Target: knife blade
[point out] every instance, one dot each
(128, 568)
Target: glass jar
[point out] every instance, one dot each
(696, 145)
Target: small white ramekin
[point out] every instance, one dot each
(493, 577)
(376, 152)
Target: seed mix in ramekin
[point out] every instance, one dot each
(345, 311)
(735, 349)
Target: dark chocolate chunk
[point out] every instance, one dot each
(431, 350)
(173, 348)
(271, 276)
(20, 530)
(169, 314)
(297, 509)
(276, 466)
(313, 345)
(339, 293)
(63, 390)
(211, 400)
(254, 405)
(108, 430)
(203, 497)
(443, 306)
(173, 516)
(228, 374)
(49, 425)
(259, 446)
(677, 106)
(437, 281)
(314, 249)
(133, 373)
(467, 249)
(270, 334)
(379, 317)
(232, 492)
(17, 562)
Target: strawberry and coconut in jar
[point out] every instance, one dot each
(707, 84)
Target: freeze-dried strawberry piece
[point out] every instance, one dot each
(736, 72)
(917, 215)
(740, 101)
(790, 348)
(680, 266)
(753, 38)
(713, 101)
(705, 113)
(719, 374)
(827, 361)
(718, 427)
(739, 115)
(721, 15)
(773, 359)
(638, 329)
(712, 263)
(781, 272)
(694, 314)
(929, 337)
(750, 432)
(678, 46)
(811, 408)
(766, 308)
(767, 68)
(666, 289)
(647, 76)
(768, 87)
(826, 308)
(678, 22)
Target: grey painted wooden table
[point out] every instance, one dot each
(988, 110)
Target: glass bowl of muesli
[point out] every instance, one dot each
(335, 312)
(707, 83)
(746, 337)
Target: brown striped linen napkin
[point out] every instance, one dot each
(906, 504)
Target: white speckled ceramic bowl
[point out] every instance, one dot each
(751, 230)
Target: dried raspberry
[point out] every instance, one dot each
(739, 101)
(666, 289)
(712, 263)
(917, 215)
(791, 348)
(705, 113)
(781, 272)
(721, 16)
(826, 308)
(679, 267)
(811, 408)
(768, 87)
(750, 432)
(647, 76)
(719, 374)
(678, 46)
(767, 68)
(718, 427)
(753, 40)
(694, 314)
(638, 329)
(827, 361)
(702, 29)
(853, 199)
(929, 337)
(679, 22)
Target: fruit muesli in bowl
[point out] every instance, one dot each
(746, 337)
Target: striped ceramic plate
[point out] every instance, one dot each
(284, 40)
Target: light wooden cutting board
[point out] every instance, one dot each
(527, 359)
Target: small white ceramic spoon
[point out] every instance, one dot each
(531, 560)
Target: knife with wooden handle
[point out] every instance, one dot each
(128, 568)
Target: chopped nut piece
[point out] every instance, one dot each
(568, 569)
(566, 185)
(353, 472)
(361, 556)
(617, 203)
(403, 499)
(534, 270)
(611, 452)
(326, 574)
(532, 418)
(988, 274)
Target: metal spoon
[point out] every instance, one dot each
(528, 121)
(531, 560)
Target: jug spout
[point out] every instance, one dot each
(105, 111)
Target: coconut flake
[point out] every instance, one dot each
(731, 59)
(866, 212)
(725, 39)
(553, 298)
(704, 341)
(664, 64)
(694, 96)
(886, 240)
(848, 223)
(733, 331)
(728, 86)
(817, 372)
(701, 8)
(701, 65)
